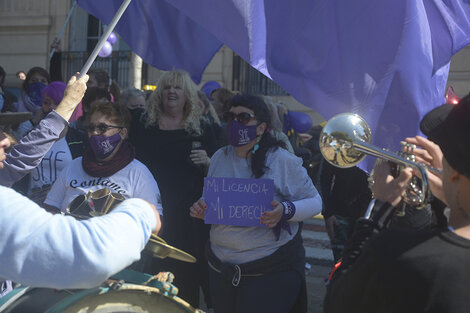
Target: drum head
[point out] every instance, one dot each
(139, 300)
(128, 298)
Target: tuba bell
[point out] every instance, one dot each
(346, 140)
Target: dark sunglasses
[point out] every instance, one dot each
(243, 117)
(101, 128)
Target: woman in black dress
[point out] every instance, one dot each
(175, 141)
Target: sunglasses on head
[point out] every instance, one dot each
(243, 117)
(101, 128)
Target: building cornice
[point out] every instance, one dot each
(24, 23)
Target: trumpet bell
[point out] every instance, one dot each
(338, 137)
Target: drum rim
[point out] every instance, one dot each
(60, 306)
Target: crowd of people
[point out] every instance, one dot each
(46, 250)
(156, 149)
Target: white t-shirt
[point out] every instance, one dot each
(133, 181)
(54, 161)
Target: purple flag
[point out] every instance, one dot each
(385, 60)
(160, 34)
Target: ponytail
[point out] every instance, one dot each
(258, 159)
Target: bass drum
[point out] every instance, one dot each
(126, 298)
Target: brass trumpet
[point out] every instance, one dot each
(346, 140)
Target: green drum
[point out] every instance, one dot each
(127, 291)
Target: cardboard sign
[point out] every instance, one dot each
(237, 201)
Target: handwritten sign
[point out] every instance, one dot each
(237, 201)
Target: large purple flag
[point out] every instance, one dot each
(160, 34)
(384, 60)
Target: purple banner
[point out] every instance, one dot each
(160, 34)
(387, 61)
(237, 201)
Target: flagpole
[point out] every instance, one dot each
(63, 27)
(104, 37)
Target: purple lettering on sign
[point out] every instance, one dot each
(237, 201)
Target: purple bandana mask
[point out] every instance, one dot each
(35, 93)
(103, 146)
(239, 134)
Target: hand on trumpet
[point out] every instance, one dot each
(430, 155)
(387, 188)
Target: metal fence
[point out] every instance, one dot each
(117, 65)
(246, 79)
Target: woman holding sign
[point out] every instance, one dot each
(250, 264)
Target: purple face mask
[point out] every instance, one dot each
(35, 91)
(239, 134)
(103, 146)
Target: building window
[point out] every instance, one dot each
(95, 30)
(248, 80)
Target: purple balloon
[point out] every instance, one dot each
(106, 50)
(112, 38)
(301, 122)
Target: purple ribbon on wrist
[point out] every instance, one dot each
(289, 211)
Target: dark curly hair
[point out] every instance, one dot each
(267, 142)
(92, 94)
(102, 78)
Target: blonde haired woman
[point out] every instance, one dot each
(174, 141)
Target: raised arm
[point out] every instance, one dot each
(28, 153)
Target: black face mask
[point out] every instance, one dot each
(136, 112)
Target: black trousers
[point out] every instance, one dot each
(270, 293)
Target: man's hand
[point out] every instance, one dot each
(56, 45)
(429, 154)
(199, 156)
(72, 96)
(386, 187)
